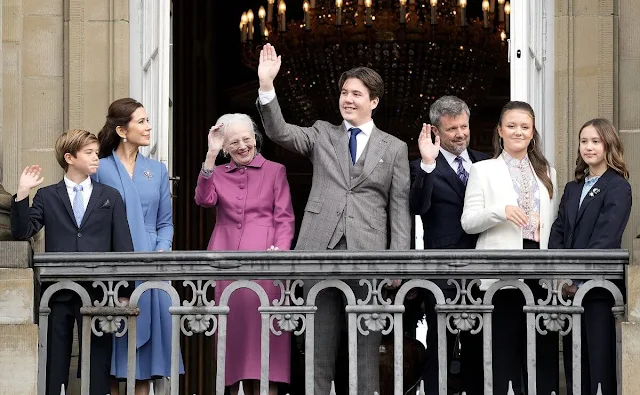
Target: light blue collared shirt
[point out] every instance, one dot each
(588, 183)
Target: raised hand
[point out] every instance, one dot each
(215, 139)
(268, 67)
(428, 150)
(30, 178)
(516, 215)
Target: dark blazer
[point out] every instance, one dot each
(438, 197)
(600, 221)
(104, 226)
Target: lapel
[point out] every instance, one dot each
(507, 187)
(61, 189)
(444, 168)
(340, 141)
(377, 145)
(93, 200)
(601, 185)
(573, 200)
(545, 201)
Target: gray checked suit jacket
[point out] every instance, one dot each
(376, 205)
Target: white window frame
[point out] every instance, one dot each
(150, 71)
(531, 49)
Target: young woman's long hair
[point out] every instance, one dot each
(613, 150)
(538, 161)
(119, 114)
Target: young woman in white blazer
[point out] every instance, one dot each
(511, 202)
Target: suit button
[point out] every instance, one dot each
(241, 171)
(239, 226)
(239, 197)
(79, 234)
(239, 211)
(241, 186)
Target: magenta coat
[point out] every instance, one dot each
(253, 212)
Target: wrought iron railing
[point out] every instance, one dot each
(199, 270)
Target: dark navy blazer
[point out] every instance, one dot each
(601, 219)
(438, 197)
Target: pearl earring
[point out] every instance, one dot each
(124, 139)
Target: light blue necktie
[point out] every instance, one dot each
(78, 204)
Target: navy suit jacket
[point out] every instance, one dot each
(600, 221)
(104, 226)
(438, 197)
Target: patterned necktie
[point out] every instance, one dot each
(353, 144)
(78, 204)
(462, 173)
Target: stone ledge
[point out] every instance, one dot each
(15, 254)
(16, 296)
(18, 359)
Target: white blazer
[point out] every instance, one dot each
(489, 191)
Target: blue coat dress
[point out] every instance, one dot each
(148, 204)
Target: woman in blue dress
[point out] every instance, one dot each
(144, 186)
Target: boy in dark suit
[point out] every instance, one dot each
(80, 216)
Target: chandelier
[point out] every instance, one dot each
(423, 49)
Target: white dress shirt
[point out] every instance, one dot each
(451, 158)
(361, 139)
(87, 188)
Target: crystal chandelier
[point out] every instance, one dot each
(422, 48)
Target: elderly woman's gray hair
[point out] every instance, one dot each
(447, 105)
(233, 118)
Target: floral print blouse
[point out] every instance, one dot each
(526, 186)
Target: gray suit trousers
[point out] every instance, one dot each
(330, 326)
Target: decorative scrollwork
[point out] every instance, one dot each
(199, 297)
(375, 292)
(554, 322)
(287, 295)
(288, 322)
(463, 292)
(465, 321)
(199, 321)
(110, 293)
(375, 322)
(109, 324)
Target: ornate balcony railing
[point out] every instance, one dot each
(199, 270)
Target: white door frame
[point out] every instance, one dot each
(531, 49)
(149, 71)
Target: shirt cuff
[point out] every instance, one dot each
(205, 173)
(266, 97)
(427, 168)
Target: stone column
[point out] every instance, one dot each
(96, 60)
(628, 122)
(18, 331)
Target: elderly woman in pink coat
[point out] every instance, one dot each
(253, 213)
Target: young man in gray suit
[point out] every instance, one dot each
(359, 199)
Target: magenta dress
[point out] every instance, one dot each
(253, 212)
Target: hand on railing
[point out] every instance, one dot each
(569, 291)
(273, 248)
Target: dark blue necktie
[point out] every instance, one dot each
(352, 144)
(462, 173)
